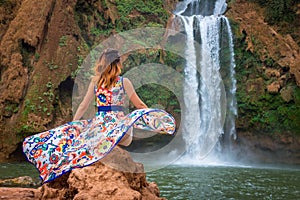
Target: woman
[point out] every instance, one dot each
(82, 142)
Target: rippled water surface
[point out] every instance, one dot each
(196, 183)
(207, 182)
(13, 170)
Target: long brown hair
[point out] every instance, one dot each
(107, 68)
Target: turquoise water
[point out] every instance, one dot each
(207, 182)
(196, 183)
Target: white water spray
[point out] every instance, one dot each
(209, 97)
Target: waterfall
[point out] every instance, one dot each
(209, 85)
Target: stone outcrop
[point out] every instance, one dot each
(271, 149)
(117, 176)
(265, 40)
(38, 52)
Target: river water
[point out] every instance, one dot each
(207, 182)
(227, 182)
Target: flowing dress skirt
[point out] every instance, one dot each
(83, 142)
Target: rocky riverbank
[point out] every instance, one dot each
(117, 176)
(267, 148)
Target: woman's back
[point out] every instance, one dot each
(113, 96)
(111, 99)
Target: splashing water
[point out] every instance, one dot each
(209, 85)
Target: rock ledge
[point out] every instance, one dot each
(117, 176)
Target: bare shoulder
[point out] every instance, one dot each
(126, 81)
(92, 83)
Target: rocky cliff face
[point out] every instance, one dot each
(38, 51)
(42, 43)
(268, 71)
(268, 80)
(267, 42)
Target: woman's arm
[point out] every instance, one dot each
(134, 98)
(85, 102)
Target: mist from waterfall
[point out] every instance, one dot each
(209, 84)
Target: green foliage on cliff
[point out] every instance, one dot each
(283, 14)
(97, 23)
(146, 9)
(6, 3)
(258, 109)
(279, 10)
(158, 96)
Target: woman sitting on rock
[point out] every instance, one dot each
(82, 142)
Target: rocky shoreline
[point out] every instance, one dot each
(117, 176)
(267, 148)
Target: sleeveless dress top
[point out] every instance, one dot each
(83, 142)
(112, 99)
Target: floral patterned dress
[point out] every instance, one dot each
(83, 142)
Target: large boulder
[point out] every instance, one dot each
(116, 176)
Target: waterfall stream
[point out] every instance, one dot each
(209, 84)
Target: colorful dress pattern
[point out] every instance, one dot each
(83, 142)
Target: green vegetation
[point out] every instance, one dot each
(98, 32)
(82, 71)
(152, 9)
(36, 57)
(12, 108)
(124, 15)
(29, 107)
(158, 96)
(279, 10)
(282, 13)
(62, 41)
(40, 105)
(258, 109)
(51, 65)
(8, 3)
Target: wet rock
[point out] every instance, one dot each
(23, 181)
(268, 148)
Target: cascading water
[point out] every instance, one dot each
(209, 85)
